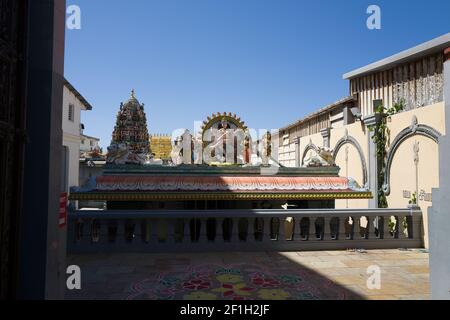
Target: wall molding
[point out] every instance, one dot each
(414, 129)
(350, 140)
(310, 146)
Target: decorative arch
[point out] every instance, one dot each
(350, 140)
(217, 117)
(310, 146)
(412, 130)
(236, 125)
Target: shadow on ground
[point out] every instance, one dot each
(251, 275)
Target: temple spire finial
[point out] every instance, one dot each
(133, 94)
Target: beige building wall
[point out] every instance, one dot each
(315, 139)
(402, 173)
(414, 77)
(73, 147)
(403, 168)
(287, 152)
(351, 164)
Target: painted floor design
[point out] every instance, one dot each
(237, 282)
(252, 275)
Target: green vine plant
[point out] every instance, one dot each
(380, 138)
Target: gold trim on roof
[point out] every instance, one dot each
(167, 196)
(217, 117)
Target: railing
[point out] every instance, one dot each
(243, 230)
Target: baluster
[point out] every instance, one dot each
(251, 230)
(416, 226)
(381, 227)
(313, 230)
(203, 238)
(401, 228)
(154, 231)
(386, 229)
(372, 222)
(303, 232)
(341, 234)
(88, 231)
(282, 229)
(137, 232)
(327, 228)
(86, 237)
(186, 231)
(353, 226)
(176, 230)
(310, 230)
(103, 232)
(359, 227)
(243, 229)
(234, 230)
(219, 230)
(214, 230)
(147, 230)
(266, 228)
(170, 239)
(293, 227)
(120, 235)
(129, 231)
(410, 222)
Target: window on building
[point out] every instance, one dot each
(71, 112)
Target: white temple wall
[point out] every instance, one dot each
(71, 133)
(73, 145)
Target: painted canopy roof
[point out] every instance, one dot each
(231, 187)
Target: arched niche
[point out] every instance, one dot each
(310, 147)
(413, 130)
(352, 141)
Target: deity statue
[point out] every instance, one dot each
(177, 151)
(223, 140)
(224, 137)
(266, 148)
(247, 150)
(197, 152)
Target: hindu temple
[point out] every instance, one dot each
(221, 167)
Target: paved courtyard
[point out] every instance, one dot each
(253, 275)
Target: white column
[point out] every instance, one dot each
(372, 121)
(438, 214)
(326, 137)
(298, 160)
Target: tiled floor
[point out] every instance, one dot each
(253, 275)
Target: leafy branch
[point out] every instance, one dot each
(380, 138)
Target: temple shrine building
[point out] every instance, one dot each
(222, 167)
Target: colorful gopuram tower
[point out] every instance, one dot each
(130, 138)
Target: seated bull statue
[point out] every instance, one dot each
(322, 157)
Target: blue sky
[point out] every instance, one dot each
(271, 62)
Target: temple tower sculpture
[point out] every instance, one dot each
(130, 138)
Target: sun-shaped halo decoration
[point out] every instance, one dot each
(219, 117)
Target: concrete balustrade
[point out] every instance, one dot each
(187, 231)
